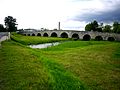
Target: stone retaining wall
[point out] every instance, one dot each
(4, 36)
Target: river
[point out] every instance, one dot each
(45, 45)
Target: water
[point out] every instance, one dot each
(45, 45)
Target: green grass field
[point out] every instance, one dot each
(73, 65)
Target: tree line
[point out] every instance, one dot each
(94, 26)
(10, 25)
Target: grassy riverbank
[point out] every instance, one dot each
(74, 65)
(97, 64)
(27, 40)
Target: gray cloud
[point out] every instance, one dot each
(106, 15)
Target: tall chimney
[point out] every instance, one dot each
(58, 25)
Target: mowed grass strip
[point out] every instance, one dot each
(22, 68)
(28, 40)
(97, 64)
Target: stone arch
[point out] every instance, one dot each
(111, 39)
(75, 36)
(33, 34)
(28, 34)
(64, 35)
(24, 34)
(45, 35)
(38, 34)
(86, 37)
(54, 34)
(98, 38)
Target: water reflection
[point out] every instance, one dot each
(45, 45)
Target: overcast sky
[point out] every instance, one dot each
(73, 14)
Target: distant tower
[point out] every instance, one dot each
(58, 25)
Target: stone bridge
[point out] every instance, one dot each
(83, 35)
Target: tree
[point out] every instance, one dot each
(118, 30)
(88, 27)
(92, 26)
(95, 25)
(2, 29)
(10, 24)
(99, 29)
(107, 28)
(116, 27)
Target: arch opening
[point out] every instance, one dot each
(86, 37)
(98, 38)
(64, 35)
(33, 34)
(111, 39)
(75, 36)
(38, 34)
(28, 34)
(54, 34)
(24, 34)
(45, 35)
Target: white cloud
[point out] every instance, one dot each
(36, 13)
(47, 13)
(73, 25)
